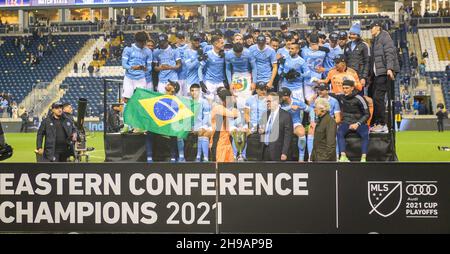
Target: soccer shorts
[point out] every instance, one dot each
(129, 85)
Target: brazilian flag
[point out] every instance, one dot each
(163, 114)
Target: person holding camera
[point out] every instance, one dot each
(58, 131)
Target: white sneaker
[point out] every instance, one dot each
(379, 129)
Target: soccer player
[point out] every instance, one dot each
(181, 47)
(293, 71)
(190, 62)
(241, 72)
(202, 123)
(339, 73)
(255, 107)
(266, 61)
(335, 50)
(137, 61)
(167, 61)
(314, 58)
(149, 74)
(275, 43)
(295, 107)
(343, 39)
(283, 53)
(248, 40)
(238, 38)
(211, 71)
(355, 116)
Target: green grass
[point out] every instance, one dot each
(412, 146)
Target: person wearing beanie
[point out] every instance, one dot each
(357, 56)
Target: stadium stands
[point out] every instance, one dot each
(18, 76)
(428, 42)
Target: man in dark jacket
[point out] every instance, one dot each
(441, 115)
(24, 126)
(276, 131)
(357, 55)
(383, 67)
(324, 133)
(58, 130)
(114, 123)
(355, 115)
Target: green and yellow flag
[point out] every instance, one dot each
(159, 113)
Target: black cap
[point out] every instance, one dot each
(308, 33)
(163, 37)
(284, 25)
(322, 35)
(284, 91)
(261, 85)
(314, 38)
(343, 35)
(339, 59)
(348, 82)
(247, 36)
(196, 37)
(180, 35)
(376, 23)
(261, 38)
(322, 87)
(256, 30)
(334, 36)
(57, 105)
(175, 85)
(288, 36)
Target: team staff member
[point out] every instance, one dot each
(325, 133)
(357, 55)
(335, 50)
(266, 61)
(167, 61)
(137, 61)
(58, 130)
(383, 67)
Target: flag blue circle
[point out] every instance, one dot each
(166, 109)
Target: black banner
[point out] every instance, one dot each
(226, 198)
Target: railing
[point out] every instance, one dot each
(43, 93)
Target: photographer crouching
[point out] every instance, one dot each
(58, 131)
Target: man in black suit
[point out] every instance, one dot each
(276, 131)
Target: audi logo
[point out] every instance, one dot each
(421, 189)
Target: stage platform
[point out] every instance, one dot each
(131, 148)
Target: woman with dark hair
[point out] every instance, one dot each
(222, 117)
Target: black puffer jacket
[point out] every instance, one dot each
(354, 108)
(47, 129)
(383, 55)
(359, 58)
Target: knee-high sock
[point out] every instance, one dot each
(205, 146)
(180, 145)
(301, 148)
(233, 145)
(310, 143)
(148, 146)
(199, 148)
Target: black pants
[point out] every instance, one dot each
(381, 88)
(24, 127)
(58, 157)
(440, 125)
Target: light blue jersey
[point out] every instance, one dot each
(313, 60)
(135, 56)
(329, 61)
(297, 63)
(168, 56)
(203, 115)
(182, 72)
(213, 70)
(284, 52)
(264, 60)
(297, 113)
(257, 107)
(241, 64)
(190, 65)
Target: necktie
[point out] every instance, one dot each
(269, 129)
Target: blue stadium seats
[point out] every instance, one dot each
(18, 77)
